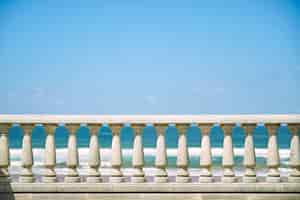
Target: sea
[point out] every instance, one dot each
(149, 139)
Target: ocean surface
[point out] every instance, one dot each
(149, 136)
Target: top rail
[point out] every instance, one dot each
(154, 119)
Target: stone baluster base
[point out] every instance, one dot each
(206, 179)
(91, 179)
(294, 176)
(183, 176)
(93, 176)
(273, 175)
(138, 179)
(26, 179)
(49, 176)
(26, 176)
(161, 176)
(138, 176)
(228, 176)
(294, 179)
(183, 179)
(116, 175)
(116, 179)
(250, 175)
(249, 179)
(72, 179)
(72, 176)
(205, 175)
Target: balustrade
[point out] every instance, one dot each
(249, 157)
(228, 155)
(94, 175)
(206, 155)
(26, 175)
(138, 175)
(73, 160)
(4, 152)
(182, 155)
(273, 160)
(294, 175)
(116, 159)
(50, 155)
(161, 159)
(205, 175)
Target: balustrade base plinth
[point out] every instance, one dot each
(273, 179)
(183, 179)
(72, 179)
(116, 179)
(228, 179)
(26, 179)
(249, 179)
(160, 179)
(94, 179)
(205, 179)
(49, 179)
(138, 179)
(294, 179)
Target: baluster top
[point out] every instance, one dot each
(154, 119)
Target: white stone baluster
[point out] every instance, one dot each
(94, 175)
(161, 160)
(116, 160)
(273, 159)
(206, 155)
(27, 155)
(73, 160)
(49, 175)
(228, 155)
(182, 155)
(249, 157)
(138, 154)
(4, 152)
(294, 176)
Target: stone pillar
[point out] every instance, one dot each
(138, 154)
(161, 160)
(94, 156)
(4, 152)
(249, 156)
(273, 159)
(182, 155)
(116, 160)
(73, 160)
(228, 155)
(294, 175)
(206, 155)
(27, 155)
(49, 175)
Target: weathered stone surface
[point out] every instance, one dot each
(150, 196)
(216, 187)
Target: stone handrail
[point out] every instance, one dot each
(142, 119)
(160, 122)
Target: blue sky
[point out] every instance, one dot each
(150, 57)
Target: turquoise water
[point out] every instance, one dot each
(149, 136)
